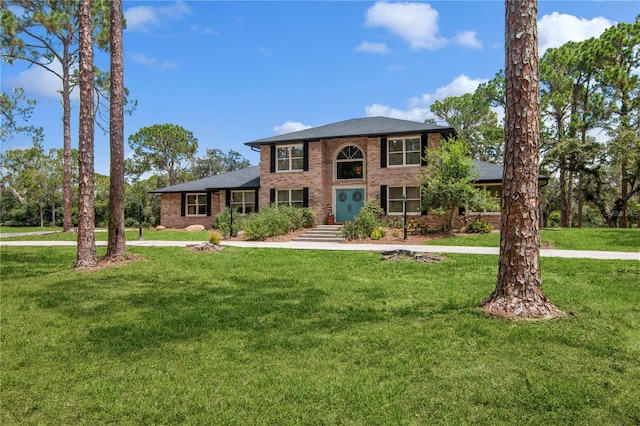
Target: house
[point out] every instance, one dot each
(333, 169)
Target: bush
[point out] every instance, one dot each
(378, 233)
(478, 226)
(274, 220)
(222, 222)
(349, 231)
(215, 237)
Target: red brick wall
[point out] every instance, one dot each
(170, 215)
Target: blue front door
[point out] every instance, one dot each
(348, 204)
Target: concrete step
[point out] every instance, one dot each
(321, 233)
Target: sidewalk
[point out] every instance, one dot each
(304, 245)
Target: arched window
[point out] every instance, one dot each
(350, 163)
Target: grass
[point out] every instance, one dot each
(274, 336)
(560, 238)
(102, 235)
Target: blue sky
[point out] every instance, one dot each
(232, 72)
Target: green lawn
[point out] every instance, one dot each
(102, 235)
(561, 238)
(274, 336)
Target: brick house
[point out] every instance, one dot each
(332, 169)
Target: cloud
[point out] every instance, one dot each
(556, 29)
(395, 67)
(144, 18)
(204, 31)
(419, 106)
(148, 61)
(36, 81)
(369, 47)
(288, 127)
(415, 23)
(468, 39)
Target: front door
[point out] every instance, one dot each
(348, 204)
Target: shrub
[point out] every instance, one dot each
(349, 231)
(274, 220)
(309, 218)
(478, 226)
(378, 233)
(222, 222)
(215, 237)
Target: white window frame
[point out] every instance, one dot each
(288, 201)
(289, 158)
(351, 159)
(401, 199)
(405, 153)
(241, 206)
(196, 203)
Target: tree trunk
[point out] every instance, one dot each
(580, 201)
(518, 293)
(564, 216)
(86, 256)
(67, 198)
(117, 243)
(624, 195)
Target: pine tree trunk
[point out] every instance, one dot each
(86, 256)
(67, 198)
(518, 293)
(117, 242)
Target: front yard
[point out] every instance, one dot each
(275, 336)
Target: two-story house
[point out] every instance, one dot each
(332, 169)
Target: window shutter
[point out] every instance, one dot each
(227, 198)
(272, 195)
(273, 159)
(383, 198)
(424, 210)
(183, 204)
(305, 197)
(383, 152)
(424, 144)
(305, 156)
(209, 203)
(257, 197)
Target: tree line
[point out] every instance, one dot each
(590, 127)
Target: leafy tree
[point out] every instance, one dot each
(518, 292)
(116, 245)
(86, 251)
(162, 147)
(216, 162)
(448, 180)
(15, 109)
(476, 124)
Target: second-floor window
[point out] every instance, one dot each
(350, 163)
(290, 158)
(404, 152)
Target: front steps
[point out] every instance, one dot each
(321, 234)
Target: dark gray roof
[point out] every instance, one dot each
(487, 172)
(243, 178)
(370, 126)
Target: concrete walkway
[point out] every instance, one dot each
(306, 245)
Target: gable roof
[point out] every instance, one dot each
(244, 178)
(487, 172)
(370, 126)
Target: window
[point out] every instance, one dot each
(350, 163)
(290, 197)
(290, 158)
(404, 152)
(243, 201)
(196, 204)
(489, 202)
(395, 199)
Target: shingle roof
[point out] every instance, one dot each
(243, 178)
(370, 126)
(487, 171)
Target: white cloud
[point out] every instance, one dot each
(418, 109)
(148, 61)
(395, 67)
(265, 52)
(288, 127)
(143, 18)
(36, 81)
(556, 29)
(416, 23)
(468, 39)
(369, 47)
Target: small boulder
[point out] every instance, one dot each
(160, 228)
(194, 228)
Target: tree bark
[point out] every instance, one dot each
(117, 243)
(518, 293)
(86, 256)
(67, 198)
